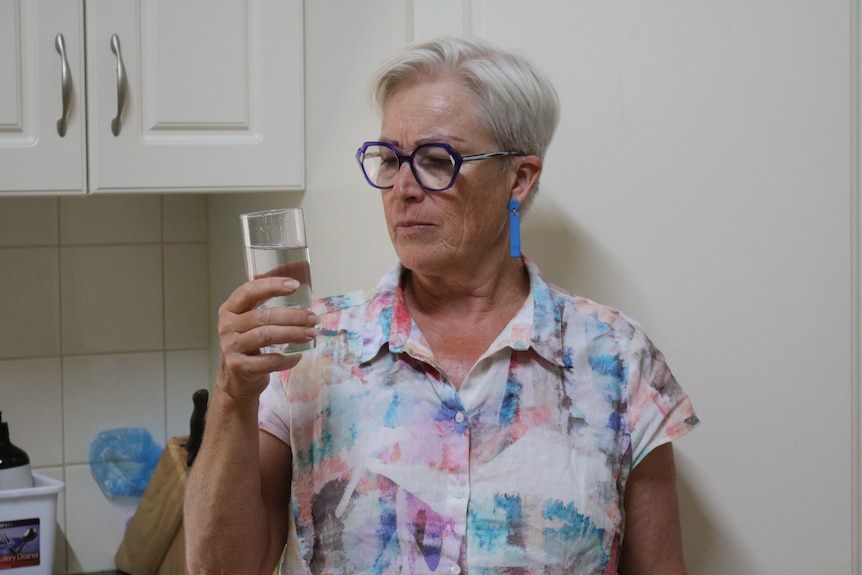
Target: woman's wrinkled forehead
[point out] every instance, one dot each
(415, 77)
(431, 111)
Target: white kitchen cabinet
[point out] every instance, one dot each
(178, 95)
(33, 156)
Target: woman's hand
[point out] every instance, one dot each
(239, 486)
(244, 328)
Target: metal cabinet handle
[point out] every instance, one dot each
(121, 85)
(65, 83)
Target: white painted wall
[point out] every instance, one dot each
(704, 180)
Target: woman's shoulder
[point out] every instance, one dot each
(587, 315)
(376, 296)
(339, 303)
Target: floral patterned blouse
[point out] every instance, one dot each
(521, 471)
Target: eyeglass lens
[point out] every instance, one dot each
(433, 166)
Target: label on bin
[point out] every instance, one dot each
(19, 543)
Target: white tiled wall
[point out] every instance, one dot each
(104, 323)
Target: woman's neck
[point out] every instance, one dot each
(475, 293)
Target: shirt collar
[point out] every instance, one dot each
(537, 324)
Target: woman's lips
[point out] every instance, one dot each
(412, 227)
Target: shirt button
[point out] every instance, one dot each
(459, 493)
(459, 417)
(454, 569)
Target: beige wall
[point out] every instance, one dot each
(703, 180)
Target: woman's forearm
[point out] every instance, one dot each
(226, 523)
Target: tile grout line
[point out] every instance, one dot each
(65, 527)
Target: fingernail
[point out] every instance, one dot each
(312, 318)
(291, 284)
(310, 332)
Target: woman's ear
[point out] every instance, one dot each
(525, 177)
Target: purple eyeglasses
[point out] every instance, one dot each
(434, 165)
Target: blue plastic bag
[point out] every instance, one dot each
(123, 460)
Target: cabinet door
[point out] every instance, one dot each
(202, 95)
(35, 154)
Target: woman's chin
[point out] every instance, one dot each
(422, 260)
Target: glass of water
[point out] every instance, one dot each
(275, 246)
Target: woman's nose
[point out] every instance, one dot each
(405, 182)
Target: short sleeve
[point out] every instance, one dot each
(273, 411)
(659, 411)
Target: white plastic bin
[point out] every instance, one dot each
(28, 520)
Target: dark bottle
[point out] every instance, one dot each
(14, 462)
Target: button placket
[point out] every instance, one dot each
(458, 481)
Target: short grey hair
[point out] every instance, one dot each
(517, 103)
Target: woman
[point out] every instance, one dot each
(463, 415)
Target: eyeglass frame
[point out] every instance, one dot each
(453, 153)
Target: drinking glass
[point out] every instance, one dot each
(275, 246)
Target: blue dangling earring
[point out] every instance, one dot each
(514, 228)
